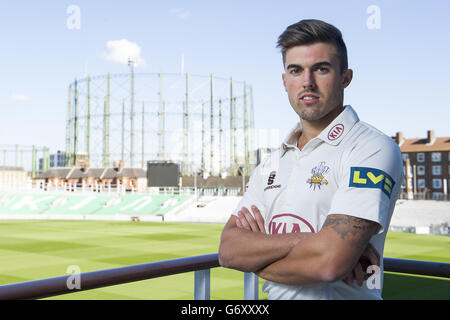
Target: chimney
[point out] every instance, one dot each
(399, 137)
(120, 166)
(430, 136)
(409, 180)
(85, 165)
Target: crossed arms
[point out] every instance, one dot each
(339, 251)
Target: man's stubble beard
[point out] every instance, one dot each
(309, 113)
(317, 111)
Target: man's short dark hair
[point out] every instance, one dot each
(310, 31)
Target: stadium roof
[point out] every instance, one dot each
(99, 173)
(7, 168)
(61, 173)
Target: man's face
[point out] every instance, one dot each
(313, 80)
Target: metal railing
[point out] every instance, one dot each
(200, 264)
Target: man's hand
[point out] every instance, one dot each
(247, 221)
(370, 256)
(260, 249)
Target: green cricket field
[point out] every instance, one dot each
(38, 249)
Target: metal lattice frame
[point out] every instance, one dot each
(205, 123)
(26, 157)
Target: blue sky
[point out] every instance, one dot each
(401, 70)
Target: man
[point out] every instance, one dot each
(316, 212)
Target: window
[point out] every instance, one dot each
(420, 157)
(436, 156)
(421, 183)
(405, 156)
(437, 183)
(437, 195)
(420, 170)
(437, 170)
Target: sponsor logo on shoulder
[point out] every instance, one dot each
(271, 178)
(270, 181)
(362, 177)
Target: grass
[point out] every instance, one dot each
(416, 247)
(32, 250)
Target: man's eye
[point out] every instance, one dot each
(294, 71)
(322, 69)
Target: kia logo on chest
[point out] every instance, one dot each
(289, 223)
(336, 132)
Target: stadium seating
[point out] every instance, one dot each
(88, 204)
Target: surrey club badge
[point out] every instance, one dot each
(318, 179)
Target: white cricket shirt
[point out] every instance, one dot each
(350, 168)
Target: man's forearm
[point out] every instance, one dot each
(251, 251)
(328, 256)
(303, 265)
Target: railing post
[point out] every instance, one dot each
(202, 284)
(251, 286)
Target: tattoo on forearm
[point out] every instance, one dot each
(360, 229)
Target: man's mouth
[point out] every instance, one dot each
(309, 98)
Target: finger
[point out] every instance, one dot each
(349, 279)
(243, 221)
(251, 221)
(352, 277)
(372, 255)
(259, 219)
(345, 280)
(376, 253)
(239, 223)
(359, 274)
(246, 222)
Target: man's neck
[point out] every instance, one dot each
(311, 129)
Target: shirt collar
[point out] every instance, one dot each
(291, 140)
(332, 134)
(339, 127)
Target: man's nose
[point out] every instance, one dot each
(308, 80)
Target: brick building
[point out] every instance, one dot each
(427, 163)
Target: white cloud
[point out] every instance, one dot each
(121, 50)
(180, 13)
(19, 97)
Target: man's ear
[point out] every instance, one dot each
(347, 78)
(284, 81)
